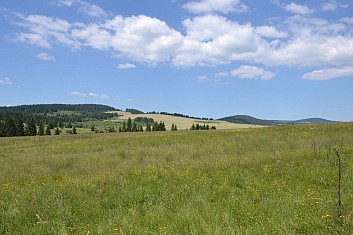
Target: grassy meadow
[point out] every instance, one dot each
(275, 180)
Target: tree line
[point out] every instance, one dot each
(151, 125)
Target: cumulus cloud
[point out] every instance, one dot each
(5, 81)
(89, 95)
(329, 73)
(45, 56)
(208, 6)
(298, 9)
(248, 72)
(126, 66)
(207, 40)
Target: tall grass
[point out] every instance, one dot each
(253, 181)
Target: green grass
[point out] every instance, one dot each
(278, 180)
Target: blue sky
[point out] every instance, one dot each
(271, 59)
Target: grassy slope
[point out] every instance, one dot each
(185, 123)
(278, 180)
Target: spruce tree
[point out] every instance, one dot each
(41, 129)
(129, 125)
(148, 127)
(19, 127)
(31, 128)
(57, 131)
(10, 127)
(172, 129)
(2, 128)
(74, 131)
(124, 129)
(134, 127)
(175, 127)
(47, 131)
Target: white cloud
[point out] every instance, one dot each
(270, 32)
(202, 78)
(5, 81)
(329, 6)
(348, 20)
(329, 73)
(84, 7)
(207, 40)
(45, 56)
(145, 39)
(208, 6)
(92, 10)
(248, 72)
(298, 9)
(89, 95)
(33, 39)
(126, 66)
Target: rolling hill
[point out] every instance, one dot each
(244, 119)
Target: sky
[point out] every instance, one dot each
(272, 59)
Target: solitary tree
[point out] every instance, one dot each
(74, 131)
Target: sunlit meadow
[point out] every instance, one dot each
(275, 180)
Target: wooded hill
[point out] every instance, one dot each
(22, 120)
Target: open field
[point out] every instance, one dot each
(276, 180)
(185, 123)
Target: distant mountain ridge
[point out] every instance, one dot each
(245, 119)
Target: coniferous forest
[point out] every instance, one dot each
(23, 120)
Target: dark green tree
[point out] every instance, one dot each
(93, 129)
(134, 127)
(148, 127)
(31, 128)
(57, 131)
(140, 128)
(47, 131)
(2, 128)
(74, 131)
(124, 129)
(41, 129)
(19, 126)
(129, 125)
(192, 127)
(10, 127)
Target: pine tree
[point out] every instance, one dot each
(140, 128)
(120, 129)
(74, 131)
(57, 131)
(172, 129)
(192, 127)
(175, 127)
(93, 129)
(41, 129)
(47, 131)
